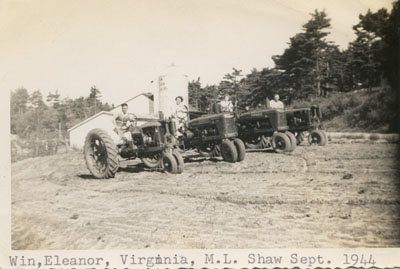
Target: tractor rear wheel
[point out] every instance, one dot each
(101, 154)
(299, 138)
(240, 148)
(325, 135)
(169, 163)
(293, 141)
(228, 151)
(179, 160)
(256, 143)
(317, 137)
(209, 150)
(280, 142)
(153, 161)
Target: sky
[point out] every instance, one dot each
(122, 45)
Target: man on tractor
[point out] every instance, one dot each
(226, 104)
(122, 122)
(276, 103)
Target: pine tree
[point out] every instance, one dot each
(194, 89)
(366, 50)
(231, 84)
(53, 99)
(94, 100)
(305, 64)
(263, 84)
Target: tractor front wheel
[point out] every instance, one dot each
(228, 151)
(280, 142)
(169, 163)
(325, 135)
(293, 141)
(317, 137)
(240, 148)
(179, 160)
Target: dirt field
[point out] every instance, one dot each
(342, 195)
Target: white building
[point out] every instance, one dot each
(141, 105)
(77, 133)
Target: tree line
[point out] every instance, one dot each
(32, 117)
(312, 68)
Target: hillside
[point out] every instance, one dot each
(373, 111)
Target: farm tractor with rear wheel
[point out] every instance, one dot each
(266, 128)
(152, 142)
(214, 135)
(306, 123)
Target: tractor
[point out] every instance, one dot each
(303, 121)
(214, 135)
(152, 142)
(265, 128)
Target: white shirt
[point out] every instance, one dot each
(181, 111)
(226, 106)
(121, 119)
(276, 104)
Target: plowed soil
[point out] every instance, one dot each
(344, 194)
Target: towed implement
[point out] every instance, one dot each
(152, 143)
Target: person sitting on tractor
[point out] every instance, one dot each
(180, 115)
(276, 103)
(226, 104)
(122, 122)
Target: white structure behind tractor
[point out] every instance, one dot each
(161, 98)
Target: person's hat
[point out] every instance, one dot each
(180, 97)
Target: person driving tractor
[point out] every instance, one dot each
(122, 122)
(276, 103)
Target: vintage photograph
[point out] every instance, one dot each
(202, 124)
